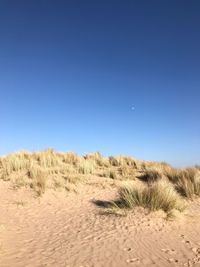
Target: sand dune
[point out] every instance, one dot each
(68, 229)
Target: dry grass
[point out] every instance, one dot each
(163, 187)
(41, 170)
(110, 173)
(126, 161)
(62, 171)
(98, 159)
(113, 161)
(185, 181)
(87, 166)
(188, 184)
(49, 169)
(160, 195)
(151, 175)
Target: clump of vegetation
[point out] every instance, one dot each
(110, 173)
(86, 167)
(158, 195)
(126, 161)
(38, 180)
(98, 159)
(186, 181)
(113, 161)
(70, 158)
(13, 163)
(188, 185)
(151, 175)
(40, 170)
(164, 185)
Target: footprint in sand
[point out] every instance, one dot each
(173, 260)
(127, 249)
(133, 260)
(196, 250)
(185, 240)
(168, 251)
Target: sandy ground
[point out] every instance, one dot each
(68, 229)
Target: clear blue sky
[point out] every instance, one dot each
(71, 71)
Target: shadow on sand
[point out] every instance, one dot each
(102, 203)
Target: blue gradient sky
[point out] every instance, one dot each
(70, 71)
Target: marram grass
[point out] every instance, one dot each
(164, 187)
(160, 195)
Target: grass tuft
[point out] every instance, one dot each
(86, 167)
(113, 161)
(160, 195)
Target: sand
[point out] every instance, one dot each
(69, 229)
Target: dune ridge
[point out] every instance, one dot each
(61, 209)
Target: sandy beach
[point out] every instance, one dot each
(70, 230)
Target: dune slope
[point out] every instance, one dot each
(60, 229)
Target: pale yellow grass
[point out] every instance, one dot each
(160, 195)
(51, 170)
